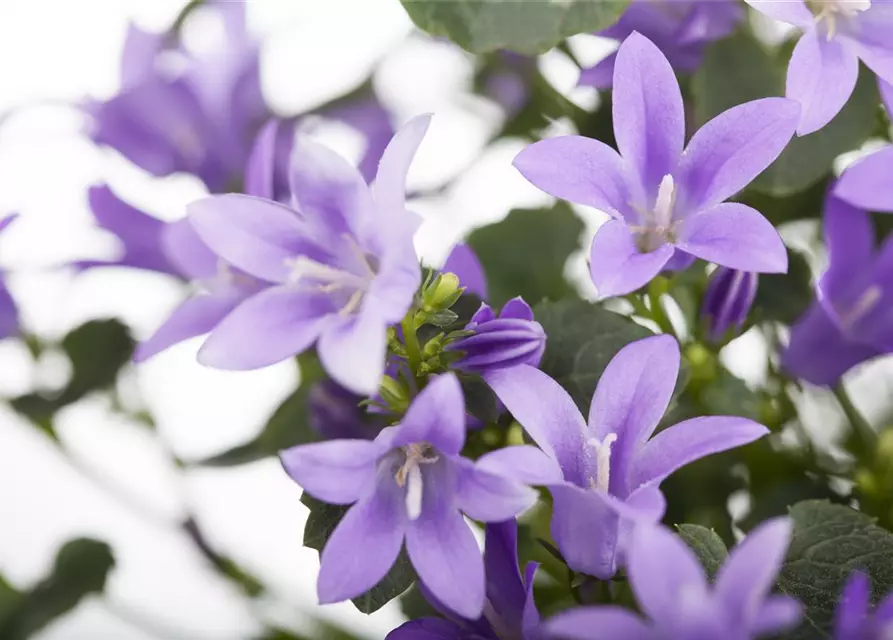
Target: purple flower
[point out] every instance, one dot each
(854, 619)
(868, 184)
(682, 30)
(342, 264)
(825, 64)
(9, 313)
(852, 319)
(672, 591)
(510, 613)
(664, 200)
(512, 339)
(611, 466)
(410, 484)
(729, 296)
(334, 412)
(463, 262)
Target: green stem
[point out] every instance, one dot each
(659, 315)
(411, 340)
(861, 427)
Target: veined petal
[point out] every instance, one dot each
(336, 471)
(463, 262)
(736, 236)
(868, 184)
(600, 623)
(616, 265)
(793, 12)
(260, 171)
(821, 77)
(353, 348)
(585, 528)
(523, 463)
(849, 237)
(489, 497)
(436, 416)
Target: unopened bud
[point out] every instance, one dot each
(442, 293)
(727, 302)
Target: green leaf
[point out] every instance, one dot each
(739, 69)
(321, 523)
(784, 297)
(524, 255)
(582, 339)
(728, 395)
(529, 27)
(830, 542)
(708, 546)
(81, 568)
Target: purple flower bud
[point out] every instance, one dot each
(727, 302)
(512, 339)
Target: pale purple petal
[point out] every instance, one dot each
(353, 349)
(849, 237)
(138, 58)
(600, 623)
(436, 416)
(546, 412)
(463, 262)
(793, 12)
(336, 471)
(649, 117)
(868, 184)
(523, 463)
(616, 265)
(269, 327)
(186, 251)
(776, 614)
(516, 308)
(488, 497)
(872, 43)
(728, 152)
(395, 285)
(389, 188)
(821, 77)
(577, 169)
(261, 169)
(585, 528)
(852, 606)
(601, 76)
(736, 236)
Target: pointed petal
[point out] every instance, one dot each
(616, 265)
(398, 279)
(821, 77)
(138, 58)
(523, 463)
(546, 412)
(867, 183)
(390, 181)
(436, 416)
(577, 169)
(728, 152)
(852, 606)
(691, 440)
(777, 614)
(353, 349)
(585, 528)
(748, 574)
(194, 317)
(849, 236)
(267, 328)
(505, 588)
(649, 117)
(793, 12)
(336, 471)
(426, 629)
(734, 235)
(463, 262)
(187, 252)
(518, 309)
(260, 171)
(488, 497)
(599, 623)
(530, 617)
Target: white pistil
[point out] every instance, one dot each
(409, 475)
(602, 461)
(414, 493)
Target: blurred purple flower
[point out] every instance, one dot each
(664, 200)
(681, 30)
(410, 484)
(342, 262)
(9, 313)
(868, 184)
(852, 319)
(463, 262)
(825, 64)
(672, 591)
(612, 468)
(334, 412)
(511, 614)
(854, 618)
(730, 294)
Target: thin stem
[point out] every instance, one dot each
(860, 425)
(411, 340)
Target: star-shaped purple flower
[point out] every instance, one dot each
(825, 64)
(663, 199)
(411, 485)
(612, 467)
(672, 591)
(855, 619)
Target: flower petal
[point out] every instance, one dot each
(649, 117)
(436, 416)
(867, 184)
(821, 77)
(518, 309)
(390, 181)
(335, 471)
(852, 606)
(187, 253)
(141, 49)
(260, 171)
(426, 629)
(616, 265)
(267, 328)
(463, 262)
(585, 527)
(9, 313)
(353, 349)
(734, 235)
(577, 169)
(489, 497)
(601, 76)
(777, 614)
(849, 237)
(546, 412)
(523, 463)
(599, 623)
(793, 12)
(506, 590)
(728, 152)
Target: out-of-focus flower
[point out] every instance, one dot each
(334, 412)
(465, 264)
(854, 618)
(342, 263)
(825, 64)
(730, 294)
(868, 184)
(664, 200)
(611, 467)
(514, 338)
(852, 319)
(507, 80)
(672, 591)
(512, 613)
(9, 313)
(681, 30)
(410, 484)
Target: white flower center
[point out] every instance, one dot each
(658, 226)
(602, 461)
(409, 475)
(828, 11)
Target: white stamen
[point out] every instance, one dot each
(864, 305)
(409, 475)
(328, 279)
(657, 226)
(602, 461)
(666, 199)
(829, 10)
(414, 493)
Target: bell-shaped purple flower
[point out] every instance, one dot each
(9, 313)
(681, 30)
(730, 294)
(514, 338)
(679, 604)
(664, 199)
(837, 34)
(852, 319)
(611, 466)
(410, 485)
(854, 617)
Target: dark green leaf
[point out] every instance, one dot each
(831, 541)
(524, 255)
(784, 297)
(528, 27)
(728, 395)
(480, 401)
(582, 337)
(708, 546)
